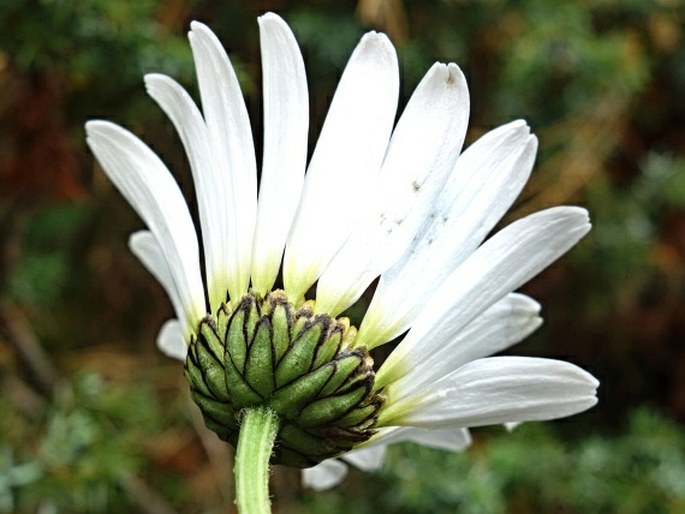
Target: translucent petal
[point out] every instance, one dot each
(211, 181)
(145, 182)
(232, 148)
(497, 390)
(325, 475)
(506, 323)
(170, 340)
(451, 439)
(345, 162)
(503, 263)
(486, 180)
(144, 246)
(423, 149)
(368, 458)
(286, 124)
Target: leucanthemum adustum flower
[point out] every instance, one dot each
(398, 203)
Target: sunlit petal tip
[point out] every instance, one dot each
(271, 17)
(516, 125)
(579, 215)
(97, 130)
(455, 76)
(150, 78)
(200, 28)
(376, 44)
(154, 82)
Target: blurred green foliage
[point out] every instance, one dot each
(41, 276)
(529, 470)
(600, 82)
(627, 219)
(78, 456)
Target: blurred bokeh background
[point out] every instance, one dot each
(93, 419)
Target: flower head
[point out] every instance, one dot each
(398, 203)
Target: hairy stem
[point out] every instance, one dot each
(258, 431)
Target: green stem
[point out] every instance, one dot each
(258, 431)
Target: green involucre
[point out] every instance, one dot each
(299, 364)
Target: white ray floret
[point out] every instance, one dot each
(422, 151)
(232, 148)
(507, 322)
(503, 263)
(370, 456)
(497, 390)
(484, 183)
(146, 183)
(345, 163)
(286, 125)
(211, 181)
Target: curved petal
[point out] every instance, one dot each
(368, 458)
(170, 340)
(423, 149)
(145, 182)
(486, 180)
(506, 323)
(451, 439)
(345, 162)
(211, 185)
(503, 263)
(324, 475)
(230, 138)
(286, 124)
(497, 390)
(331, 472)
(145, 247)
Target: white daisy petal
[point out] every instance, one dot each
(331, 472)
(423, 149)
(503, 263)
(230, 138)
(211, 185)
(146, 183)
(345, 162)
(512, 425)
(498, 390)
(369, 458)
(506, 323)
(486, 180)
(325, 475)
(170, 340)
(286, 124)
(452, 439)
(145, 247)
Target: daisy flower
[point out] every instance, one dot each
(258, 321)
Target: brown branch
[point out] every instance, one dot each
(16, 329)
(149, 500)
